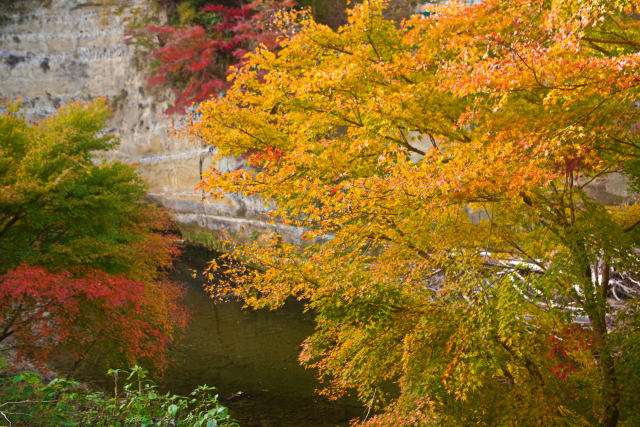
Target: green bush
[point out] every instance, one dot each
(29, 401)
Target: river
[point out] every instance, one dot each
(250, 356)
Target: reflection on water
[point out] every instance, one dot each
(251, 357)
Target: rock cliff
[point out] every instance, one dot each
(54, 51)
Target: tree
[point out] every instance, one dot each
(440, 171)
(193, 54)
(124, 320)
(82, 256)
(193, 61)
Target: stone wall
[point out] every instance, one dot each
(54, 51)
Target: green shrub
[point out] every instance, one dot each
(29, 401)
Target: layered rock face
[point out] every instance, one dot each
(55, 51)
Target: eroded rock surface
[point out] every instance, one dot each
(52, 52)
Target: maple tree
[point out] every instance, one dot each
(82, 256)
(42, 311)
(440, 170)
(192, 55)
(193, 59)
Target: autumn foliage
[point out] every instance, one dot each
(122, 319)
(193, 60)
(443, 172)
(82, 257)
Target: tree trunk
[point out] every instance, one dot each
(611, 393)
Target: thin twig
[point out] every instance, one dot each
(369, 408)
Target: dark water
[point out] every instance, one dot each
(252, 354)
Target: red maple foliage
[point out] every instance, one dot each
(194, 61)
(570, 341)
(124, 320)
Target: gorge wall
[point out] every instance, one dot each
(55, 51)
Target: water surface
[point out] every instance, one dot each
(250, 356)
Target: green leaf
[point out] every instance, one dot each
(172, 410)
